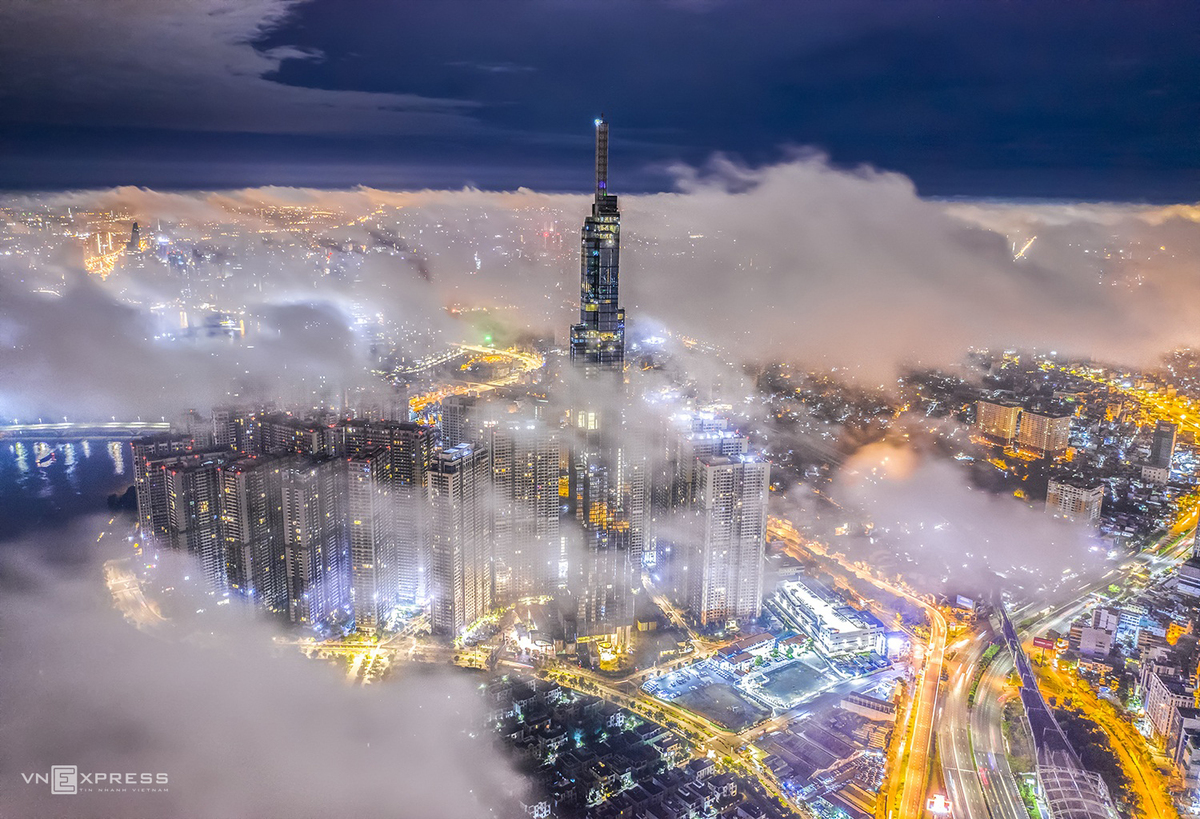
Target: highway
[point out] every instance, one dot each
(963, 782)
(914, 779)
(978, 739)
(525, 363)
(996, 776)
(980, 783)
(908, 783)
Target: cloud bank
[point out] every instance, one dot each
(959, 538)
(801, 262)
(240, 729)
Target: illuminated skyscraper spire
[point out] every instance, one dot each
(607, 490)
(601, 157)
(598, 340)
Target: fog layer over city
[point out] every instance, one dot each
(799, 261)
(240, 728)
(979, 542)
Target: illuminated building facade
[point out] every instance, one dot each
(1048, 433)
(525, 461)
(1075, 500)
(409, 449)
(458, 420)
(460, 538)
(695, 436)
(250, 529)
(598, 340)
(314, 539)
(997, 420)
(150, 482)
(725, 568)
(193, 497)
(608, 491)
(373, 581)
(282, 434)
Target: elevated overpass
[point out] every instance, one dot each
(1070, 790)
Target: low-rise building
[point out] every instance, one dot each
(1163, 694)
(1095, 642)
(835, 626)
(1075, 499)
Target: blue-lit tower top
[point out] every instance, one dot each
(598, 340)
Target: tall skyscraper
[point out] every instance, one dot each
(458, 425)
(1075, 499)
(1162, 444)
(283, 434)
(1047, 432)
(409, 449)
(252, 532)
(236, 428)
(374, 585)
(997, 420)
(314, 535)
(150, 482)
(525, 456)
(598, 340)
(193, 496)
(273, 529)
(725, 568)
(608, 491)
(460, 538)
(694, 435)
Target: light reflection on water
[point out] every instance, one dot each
(45, 481)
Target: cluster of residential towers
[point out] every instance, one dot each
(337, 522)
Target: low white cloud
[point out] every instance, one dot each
(240, 727)
(960, 538)
(800, 262)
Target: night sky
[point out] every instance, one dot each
(1057, 100)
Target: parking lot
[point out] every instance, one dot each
(709, 691)
(790, 684)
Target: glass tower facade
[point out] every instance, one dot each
(598, 340)
(606, 484)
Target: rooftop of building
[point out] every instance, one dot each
(830, 610)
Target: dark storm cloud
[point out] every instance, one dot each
(1029, 99)
(180, 64)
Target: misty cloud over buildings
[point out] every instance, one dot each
(955, 537)
(90, 356)
(799, 261)
(241, 727)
